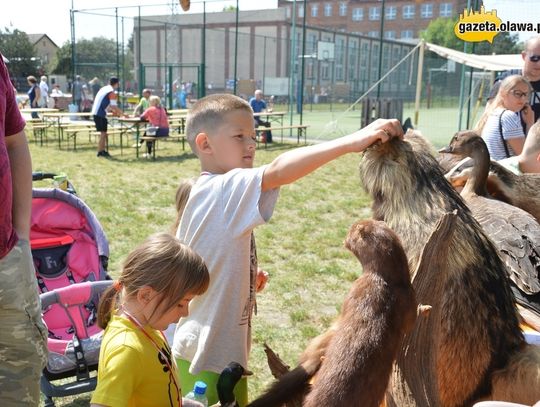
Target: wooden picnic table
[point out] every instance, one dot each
(38, 110)
(58, 117)
(133, 123)
(271, 116)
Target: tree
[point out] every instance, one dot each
(441, 32)
(16, 46)
(94, 57)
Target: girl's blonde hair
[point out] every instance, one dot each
(154, 100)
(506, 86)
(163, 263)
(182, 195)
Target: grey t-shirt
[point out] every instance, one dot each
(218, 220)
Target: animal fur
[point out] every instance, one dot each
(352, 361)
(515, 232)
(474, 329)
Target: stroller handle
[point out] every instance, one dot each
(38, 176)
(80, 293)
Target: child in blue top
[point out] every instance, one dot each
(226, 203)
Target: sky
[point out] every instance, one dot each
(52, 17)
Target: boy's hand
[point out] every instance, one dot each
(385, 129)
(262, 278)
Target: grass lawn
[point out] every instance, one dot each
(438, 124)
(301, 247)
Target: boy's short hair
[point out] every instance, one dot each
(113, 81)
(209, 112)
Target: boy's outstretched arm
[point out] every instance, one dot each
(294, 164)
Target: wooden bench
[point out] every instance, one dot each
(38, 128)
(114, 131)
(154, 139)
(72, 130)
(301, 131)
(177, 123)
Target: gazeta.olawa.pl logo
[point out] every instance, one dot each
(477, 26)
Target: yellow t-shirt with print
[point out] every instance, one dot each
(131, 371)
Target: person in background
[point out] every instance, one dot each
(77, 90)
(500, 125)
(228, 200)
(529, 159)
(94, 86)
(159, 278)
(156, 115)
(531, 72)
(143, 103)
(23, 336)
(258, 105)
(44, 88)
(34, 95)
(105, 100)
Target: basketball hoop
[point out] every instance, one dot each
(184, 4)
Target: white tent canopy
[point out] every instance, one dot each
(486, 62)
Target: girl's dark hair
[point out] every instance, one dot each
(163, 263)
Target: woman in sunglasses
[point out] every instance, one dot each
(500, 125)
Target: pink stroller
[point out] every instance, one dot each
(70, 254)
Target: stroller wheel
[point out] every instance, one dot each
(49, 402)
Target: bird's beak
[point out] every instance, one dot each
(247, 372)
(447, 149)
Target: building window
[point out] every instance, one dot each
(358, 14)
(445, 10)
(301, 11)
(390, 35)
(408, 12)
(426, 10)
(390, 13)
(315, 10)
(342, 9)
(328, 10)
(374, 13)
(406, 34)
(373, 33)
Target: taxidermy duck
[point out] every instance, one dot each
(516, 233)
(227, 380)
(521, 190)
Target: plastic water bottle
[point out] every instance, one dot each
(198, 393)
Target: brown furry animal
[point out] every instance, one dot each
(515, 232)
(473, 328)
(362, 344)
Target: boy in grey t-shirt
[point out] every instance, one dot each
(228, 200)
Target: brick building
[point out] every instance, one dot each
(45, 48)
(403, 19)
(169, 43)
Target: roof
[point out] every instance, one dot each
(501, 62)
(35, 38)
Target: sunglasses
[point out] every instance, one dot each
(520, 94)
(534, 58)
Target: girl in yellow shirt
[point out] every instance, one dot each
(158, 280)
